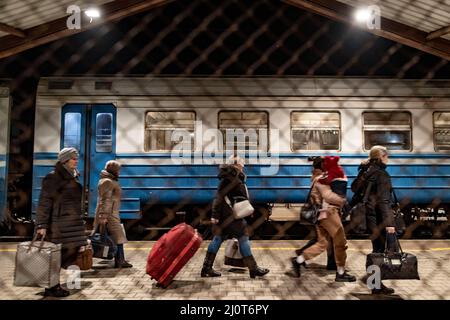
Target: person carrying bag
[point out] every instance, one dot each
(225, 223)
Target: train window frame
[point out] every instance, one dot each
(434, 128)
(388, 111)
(79, 126)
(171, 110)
(243, 111)
(291, 142)
(106, 148)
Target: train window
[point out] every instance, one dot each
(315, 130)
(247, 130)
(389, 129)
(72, 130)
(441, 132)
(103, 133)
(159, 127)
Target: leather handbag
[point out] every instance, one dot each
(233, 256)
(310, 211)
(102, 245)
(242, 208)
(38, 264)
(84, 258)
(397, 265)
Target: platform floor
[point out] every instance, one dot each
(105, 282)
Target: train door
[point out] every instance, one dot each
(91, 129)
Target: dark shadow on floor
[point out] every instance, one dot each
(104, 272)
(177, 284)
(83, 285)
(238, 270)
(369, 296)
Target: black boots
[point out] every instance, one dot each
(383, 290)
(296, 267)
(56, 291)
(120, 261)
(255, 271)
(207, 270)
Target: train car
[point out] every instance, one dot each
(135, 120)
(5, 104)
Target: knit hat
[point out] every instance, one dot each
(66, 154)
(113, 167)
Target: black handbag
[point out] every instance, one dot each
(310, 211)
(397, 265)
(102, 245)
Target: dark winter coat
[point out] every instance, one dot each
(380, 201)
(59, 209)
(232, 185)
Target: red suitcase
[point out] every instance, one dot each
(171, 252)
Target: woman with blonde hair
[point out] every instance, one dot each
(379, 214)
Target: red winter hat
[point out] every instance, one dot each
(330, 162)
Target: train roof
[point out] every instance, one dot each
(243, 86)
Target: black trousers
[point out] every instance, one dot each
(68, 256)
(378, 235)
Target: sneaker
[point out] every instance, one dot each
(56, 291)
(345, 277)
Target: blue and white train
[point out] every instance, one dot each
(132, 120)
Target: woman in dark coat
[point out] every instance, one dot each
(232, 185)
(59, 214)
(380, 217)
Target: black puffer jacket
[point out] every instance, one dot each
(380, 200)
(232, 185)
(59, 208)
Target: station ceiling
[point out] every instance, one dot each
(422, 24)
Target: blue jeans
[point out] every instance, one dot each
(244, 245)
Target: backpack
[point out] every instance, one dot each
(359, 185)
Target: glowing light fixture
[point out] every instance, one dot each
(362, 15)
(92, 13)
